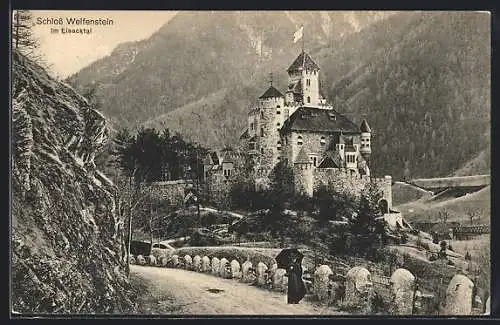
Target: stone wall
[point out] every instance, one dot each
(173, 191)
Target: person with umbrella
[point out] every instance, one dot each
(290, 259)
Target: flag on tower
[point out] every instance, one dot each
(298, 34)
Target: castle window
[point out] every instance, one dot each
(314, 160)
(341, 147)
(278, 112)
(278, 146)
(252, 126)
(278, 125)
(278, 106)
(308, 99)
(322, 141)
(261, 114)
(261, 150)
(261, 132)
(299, 140)
(308, 82)
(251, 145)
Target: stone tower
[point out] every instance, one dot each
(303, 174)
(366, 148)
(271, 110)
(303, 82)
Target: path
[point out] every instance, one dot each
(187, 292)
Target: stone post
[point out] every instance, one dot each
(152, 260)
(359, 290)
(188, 262)
(235, 269)
(215, 265)
(164, 260)
(223, 268)
(458, 296)
(246, 272)
(175, 261)
(321, 282)
(280, 281)
(197, 263)
(141, 260)
(261, 274)
(205, 264)
(402, 287)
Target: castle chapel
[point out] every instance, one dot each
(298, 127)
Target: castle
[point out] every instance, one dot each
(299, 129)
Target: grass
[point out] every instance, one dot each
(425, 211)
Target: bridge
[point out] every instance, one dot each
(433, 184)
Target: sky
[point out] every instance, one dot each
(68, 53)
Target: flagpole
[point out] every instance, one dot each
(303, 37)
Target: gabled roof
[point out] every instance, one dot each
(208, 160)
(314, 119)
(295, 87)
(244, 135)
(302, 157)
(271, 92)
(331, 159)
(303, 61)
(365, 127)
(227, 157)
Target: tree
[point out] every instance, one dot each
(443, 216)
(333, 205)
(366, 225)
(280, 193)
(473, 214)
(22, 33)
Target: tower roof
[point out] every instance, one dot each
(302, 157)
(303, 61)
(365, 127)
(271, 92)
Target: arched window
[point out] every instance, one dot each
(261, 113)
(299, 140)
(308, 99)
(322, 141)
(261, 150)
(278, 125)
(261, 132)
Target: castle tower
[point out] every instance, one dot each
(303, 82)
(366, 149)
(271, 106)
(303, 174)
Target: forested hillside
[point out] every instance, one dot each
(422, 79)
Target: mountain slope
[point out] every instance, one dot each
(199, 53)
(67, 245)
(424, 86)
(421, 79)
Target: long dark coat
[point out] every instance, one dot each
(296, 287)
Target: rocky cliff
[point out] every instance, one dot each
(68, 252)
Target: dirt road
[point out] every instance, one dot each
(174, 291)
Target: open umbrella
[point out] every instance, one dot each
(285, 257)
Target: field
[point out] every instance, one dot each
(428, 210)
